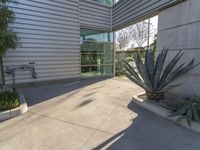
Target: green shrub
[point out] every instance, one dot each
(190, 111)
(119, 69)
(9, 100)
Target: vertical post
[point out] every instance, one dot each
(2, 72)
(114, 54)
(148, 41)
(113, 40)
(79, 34)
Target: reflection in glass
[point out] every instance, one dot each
(96, 53)
(104, 1)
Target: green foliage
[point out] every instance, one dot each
(119, 68)
(154, 75)
(9, 100)
(190, 111)
(154, 44)
(120, 56)
(108, 2)
(92, 52)
(142, 53)
(8, 38)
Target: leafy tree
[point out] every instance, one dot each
(8, 38)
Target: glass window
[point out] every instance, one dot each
(104, 1)
(115, 1)
(96, 53)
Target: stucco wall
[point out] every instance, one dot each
(179, 29)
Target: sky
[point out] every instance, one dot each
(154, 28)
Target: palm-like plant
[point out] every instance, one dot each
(154, 76)
(8, 38)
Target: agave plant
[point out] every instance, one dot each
(154, 75)
(190, 111)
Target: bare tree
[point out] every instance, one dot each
(139, 33)
(123, 39)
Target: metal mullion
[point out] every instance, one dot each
(97, 53)
(96, 65)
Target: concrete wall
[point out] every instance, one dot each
(179, 29)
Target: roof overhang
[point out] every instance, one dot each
(128, 12)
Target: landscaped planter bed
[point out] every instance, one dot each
(5, 115)
(157, 109)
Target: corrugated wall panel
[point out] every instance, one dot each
(95, 15)
(49, 36)
(127, 12)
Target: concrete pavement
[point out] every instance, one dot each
(91, 114)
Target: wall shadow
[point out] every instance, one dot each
(38, 94)
(151, 132)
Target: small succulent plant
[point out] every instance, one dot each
(8, 100)
(154, 75)
(190, 111)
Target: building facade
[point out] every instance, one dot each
(55, 35)
(179, 29)
(69, 39)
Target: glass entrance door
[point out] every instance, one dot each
(96, 53)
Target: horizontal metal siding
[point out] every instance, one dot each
(49, 36)
(127, 12)
(95, 15)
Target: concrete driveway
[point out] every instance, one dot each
(91, 114)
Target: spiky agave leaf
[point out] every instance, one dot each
(171, 66)
(159, 67)
(196, 113)
(143, 71)
(133, 75)
(179, 112)
(170, 87)
(190, 111)
(180, 71)
(131, 70)
(149, 61)
(153, 76)
(136, 81)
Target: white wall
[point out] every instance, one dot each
(179, 29)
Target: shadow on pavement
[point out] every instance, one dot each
(38, 94)
(151, 132)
